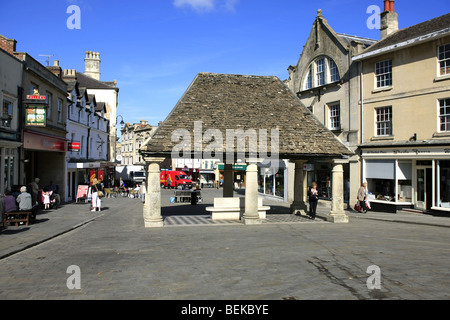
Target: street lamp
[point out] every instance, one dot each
(121, 122)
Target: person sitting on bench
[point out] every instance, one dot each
(10, 202)
(24, 200)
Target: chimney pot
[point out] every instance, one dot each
(56, 63)
(392, 6)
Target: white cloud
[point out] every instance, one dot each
(197, 5)
(206, 5)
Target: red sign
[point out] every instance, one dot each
(74, 146)
(43, 142)
(82, 192)
(35, 97)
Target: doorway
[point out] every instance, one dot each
(424, 188)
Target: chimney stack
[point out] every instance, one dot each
(389, 19)
(9, 45)
(92, 65)
(56, 69)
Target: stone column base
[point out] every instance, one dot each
(250, 221)
(338, 218)
(299, 208)
(154, 224)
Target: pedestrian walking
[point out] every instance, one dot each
(313, 198)
(362, 195)
(96, 194)
(142, 192)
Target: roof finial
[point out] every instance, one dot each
(319, 13)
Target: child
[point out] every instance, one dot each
(46, 200)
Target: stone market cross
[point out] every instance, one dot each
(221, 102)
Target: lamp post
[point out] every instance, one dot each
(121, 122)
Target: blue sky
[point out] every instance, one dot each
(155, 48)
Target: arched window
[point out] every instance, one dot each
(320, 72)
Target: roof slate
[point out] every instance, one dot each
(421, 29)
(225, 101)
(91, 83)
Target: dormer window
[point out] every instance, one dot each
(321, 72)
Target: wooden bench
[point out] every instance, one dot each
(233, 208)
(19, 216)
(186, 195)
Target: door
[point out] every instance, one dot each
(424, 188)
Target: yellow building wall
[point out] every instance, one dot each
(416, 89)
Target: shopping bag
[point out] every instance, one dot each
(368, 205)
(357, 207)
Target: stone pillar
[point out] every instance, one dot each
(337, 214)
(152, 205)
(228, 181)
(299, 205)
(251, 215)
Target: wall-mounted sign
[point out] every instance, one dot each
(74, 146)
(36, 97)
(35, 116)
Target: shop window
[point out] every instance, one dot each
(382, 177)
(404, 180)
(444, 184)
(271, 181)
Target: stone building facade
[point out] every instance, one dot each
(405, 149)
(326, 81)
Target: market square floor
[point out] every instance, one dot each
(190, 258)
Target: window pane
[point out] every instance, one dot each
(384, 121)
(444, 59)
(383, 73)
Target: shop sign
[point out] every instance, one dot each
(35, 116)
(36, 97)
(74, 146)
(308, 167)
(236, 167)
(43, 142)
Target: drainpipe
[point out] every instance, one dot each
(362, 99)
(361, 115)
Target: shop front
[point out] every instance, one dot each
(44, 158)
(239, 176)
(272, 180)
(9, 164)
(321, 173)
(401, 178)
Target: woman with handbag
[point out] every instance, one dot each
(96, 194)
(362, 197)
(313, 198)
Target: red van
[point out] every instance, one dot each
(175, 178)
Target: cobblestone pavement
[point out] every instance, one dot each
(284, 259)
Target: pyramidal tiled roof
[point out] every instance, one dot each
(225, 101)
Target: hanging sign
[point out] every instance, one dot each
(35, 116)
